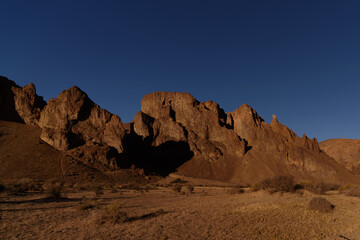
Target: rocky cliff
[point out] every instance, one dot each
(173, 132)
(237, 147)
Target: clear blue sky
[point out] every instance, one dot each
(299, 60)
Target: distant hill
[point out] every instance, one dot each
(346, 152)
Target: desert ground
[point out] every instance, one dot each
(160, 212)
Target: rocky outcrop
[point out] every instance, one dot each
(75, 124)
(19, 104)
(345, 151)
(72, 119)
(279, 150)
(238, 146)
(180, 117)
(173, 132)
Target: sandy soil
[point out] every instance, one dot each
(208, 213)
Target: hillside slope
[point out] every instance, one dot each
(346, 152)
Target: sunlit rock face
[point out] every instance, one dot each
(20, 104)
(238, 146)
(72, 119)
(173, 132)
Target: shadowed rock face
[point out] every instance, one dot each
(19, 104)
(345, 151)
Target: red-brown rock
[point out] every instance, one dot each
(72, 119)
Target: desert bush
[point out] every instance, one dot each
(320, 204)
(177, 187)
(320, 187)
(113, 214)
(344, 188)
(235, 190)
(22, 186)
(276, 184)
(190, 188)
(354, 191)
(54, 190)
(255, 187)
(179, 180)
(15, 189)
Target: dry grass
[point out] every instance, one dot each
(160, 215)
(320, 204)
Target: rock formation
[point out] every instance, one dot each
(19, 104)
(73, 122)
(345, 151)
(172, 132)
(238, 146)
(72, 119)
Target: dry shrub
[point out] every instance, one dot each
(320, 204)
(85, 205)
(345, 188)
(190, 188)
(55, 190)
(276, 184)
(113, 214)
(235, 190)
(177, 187)
(320, 187)
(22, 186)
(354, 191)
(255, 187)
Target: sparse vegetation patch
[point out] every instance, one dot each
(113, 214)
(276, 184)
(320, 204)
(319, 187)
(235, 190)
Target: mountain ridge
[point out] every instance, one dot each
(173, 132)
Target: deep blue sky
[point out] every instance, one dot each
(299, 60)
